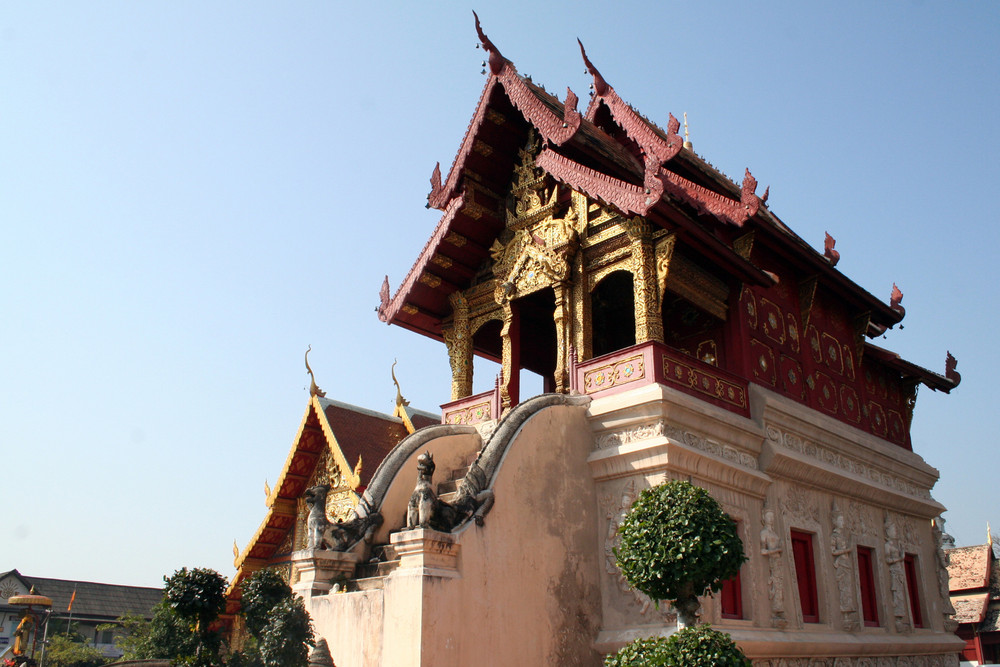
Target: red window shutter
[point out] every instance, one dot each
(732, 598)
(913, 587)
(866, 581)
(805, 575)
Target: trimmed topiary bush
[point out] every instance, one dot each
(677, 543)
(699, 646)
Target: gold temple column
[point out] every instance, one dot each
(510, 340)
(648, 318)
(563, 294)
(459, 342)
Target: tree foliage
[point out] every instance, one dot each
(698, 646)
(676, 541)
(62, 651)
(277, 621)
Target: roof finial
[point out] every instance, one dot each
(831, 255)
(600, 86)
(687, 137)
(400, 401)
(496, 60)
(989, 536)
(314, 390)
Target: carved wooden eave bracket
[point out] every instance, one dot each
(389, 308)
(552, 128)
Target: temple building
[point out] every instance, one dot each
(974, 574)
(683, 331)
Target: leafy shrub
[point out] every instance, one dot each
(677, 541)
(698, 646)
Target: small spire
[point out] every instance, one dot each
(687, 136)
(989, 535)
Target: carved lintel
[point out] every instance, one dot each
(807, 296)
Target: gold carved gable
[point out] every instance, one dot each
(538, 245)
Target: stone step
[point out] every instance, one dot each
(368, 584)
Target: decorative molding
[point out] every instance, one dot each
(848, 464)
(660, 428)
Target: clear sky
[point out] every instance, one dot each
(193, 192)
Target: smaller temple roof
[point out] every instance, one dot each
(969, 568)
(93, 600)
(970, 608)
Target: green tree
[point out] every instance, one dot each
(198, 596)
(277, 621)
(165, 636)
(696, 646)
(676, 544)
(64, 652)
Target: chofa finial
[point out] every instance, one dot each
(831, 255)
(496, 60)
(600, 86)
(400, 401)
(314, 389)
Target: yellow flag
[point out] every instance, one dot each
(71, 599)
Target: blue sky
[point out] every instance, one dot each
(193, 192)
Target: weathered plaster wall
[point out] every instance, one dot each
(528, 591)
(352, 625)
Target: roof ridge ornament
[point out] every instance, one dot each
(496, 60)
(400, 401)
(831, 255)
(600, 86)
(950, 364)
(895, 299)
(383, 301)
(314, 389)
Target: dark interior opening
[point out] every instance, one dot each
(612, 313)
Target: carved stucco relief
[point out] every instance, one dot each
(831, 457)
(950, 660)
(616, 507)
(659, 428)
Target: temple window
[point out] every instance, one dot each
(613, 313)
(866, 582)
(538, 335)
(913, 588)
(805, 575)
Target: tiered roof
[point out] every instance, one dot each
(616, 156)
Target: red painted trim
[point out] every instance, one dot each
(866, 582)
(628, 198)
(387, 311)
(913, 588)
(706, 201)
(805, 575)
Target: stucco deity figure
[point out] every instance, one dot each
(840, 548)
(771, 548)
(943, 560)
(897, 577)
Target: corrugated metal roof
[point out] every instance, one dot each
(97, 600)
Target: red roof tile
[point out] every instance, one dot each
(360, 433)
(969, 608)
(969, 567)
